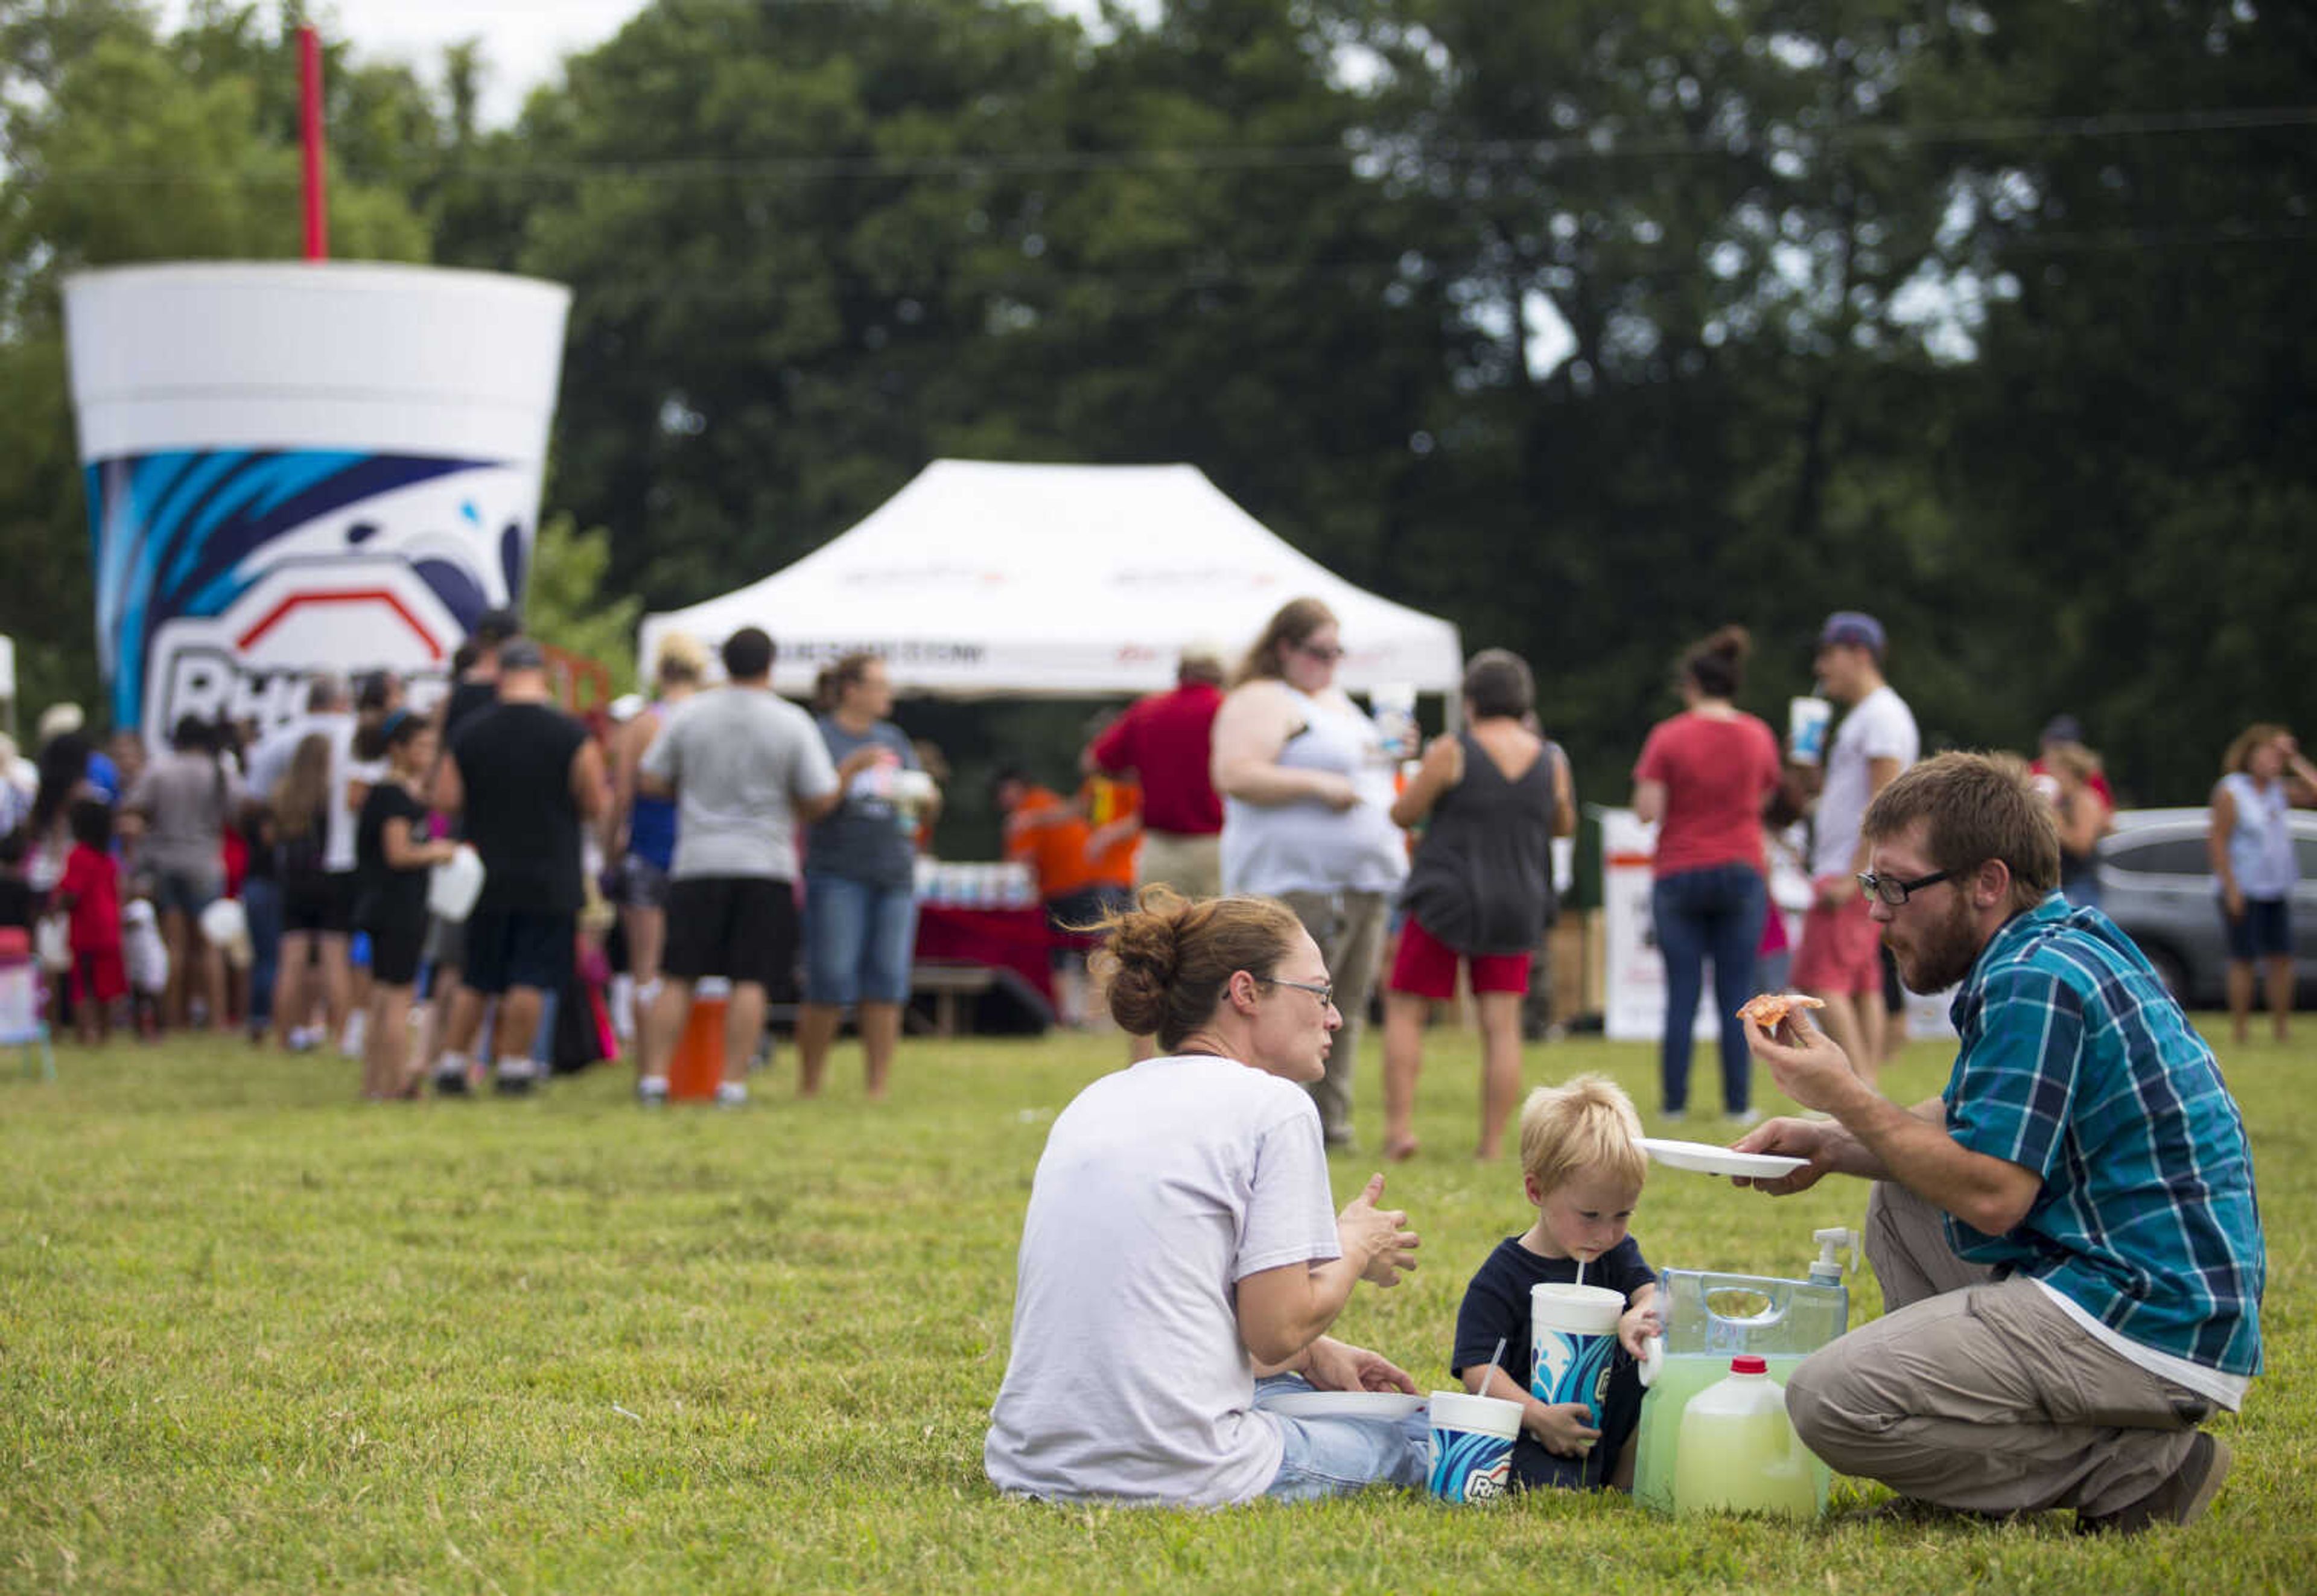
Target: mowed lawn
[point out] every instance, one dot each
(256, 1335)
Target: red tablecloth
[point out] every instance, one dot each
(1014, 939)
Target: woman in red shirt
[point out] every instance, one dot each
(1706, 774)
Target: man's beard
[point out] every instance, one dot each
(1946, 956)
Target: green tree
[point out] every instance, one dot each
(780, 224)
(565, 602)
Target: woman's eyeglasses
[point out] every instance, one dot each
(1325, 990)
(1325, 656)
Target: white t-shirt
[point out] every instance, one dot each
(1160, 1188)
(345, 770)
(1880, 726)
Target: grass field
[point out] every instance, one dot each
(255, 1335)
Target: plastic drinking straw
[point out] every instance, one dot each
(309, 127)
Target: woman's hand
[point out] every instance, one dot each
(1560, 1428)
(1332, 1365)
(1335, 790)
(1377, 1239)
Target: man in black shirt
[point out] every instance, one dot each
(525, 777)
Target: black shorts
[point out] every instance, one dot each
(394, 950)
(519, 947)
(320, 904)
(743, 928)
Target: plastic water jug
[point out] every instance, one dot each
(1712, 1318)
(1739, 1454)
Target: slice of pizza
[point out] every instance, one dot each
(1769, 1009)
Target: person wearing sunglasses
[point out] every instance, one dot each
(1182, 1259)
(1307, 788)
(2067, 1237)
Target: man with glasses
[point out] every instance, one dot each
(2066, 1236)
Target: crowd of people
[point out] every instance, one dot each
(281, 882)
(445, 892)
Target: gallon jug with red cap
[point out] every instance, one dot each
(1738, 1453)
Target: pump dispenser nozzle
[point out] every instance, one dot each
(1827, 1270)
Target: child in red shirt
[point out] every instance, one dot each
(91, 890)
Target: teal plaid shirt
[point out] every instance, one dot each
(2077, 1064)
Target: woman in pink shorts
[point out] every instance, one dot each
(1477, 890)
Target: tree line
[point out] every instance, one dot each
(1589, 325)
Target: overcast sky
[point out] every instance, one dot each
(524, 40)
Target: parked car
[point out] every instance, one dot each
(2156, 883)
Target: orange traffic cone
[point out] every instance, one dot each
(697, 1067)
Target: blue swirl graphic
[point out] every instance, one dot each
(1467, 1467)
(1572, 1367)
(172, 533)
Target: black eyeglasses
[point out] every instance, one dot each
(1326, 656)
(1325, 990)
(1896, 892)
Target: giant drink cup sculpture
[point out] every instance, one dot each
(294, 468)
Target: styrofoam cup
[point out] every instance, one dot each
(1573, 1337)
(1472, 1445)
(1807, 719)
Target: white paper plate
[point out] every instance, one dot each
(1707, 1159)
(1347, 1405)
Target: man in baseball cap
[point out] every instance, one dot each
(1841, 961)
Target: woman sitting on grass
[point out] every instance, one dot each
(1181, 1260)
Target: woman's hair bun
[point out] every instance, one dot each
(1140, 960)
(1734, 642)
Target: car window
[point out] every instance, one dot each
(2176, 856)
(2304, 849)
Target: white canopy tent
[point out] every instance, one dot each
(983, 579)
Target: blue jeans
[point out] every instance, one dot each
(1337, 1457)
(261, 905)
(1713, 913)
(858, 941)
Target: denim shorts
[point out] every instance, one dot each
(1337, 1457)
(188, 892)
(859, 941)
(2264, 931)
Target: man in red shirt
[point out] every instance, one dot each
(1163, 740)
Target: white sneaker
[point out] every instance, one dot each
(516, 1077)
(731, 1094)
(651, 1090)
(357, 1030)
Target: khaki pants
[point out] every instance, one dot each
(1349, 928)
(1192, 865)
(1981, 1393)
